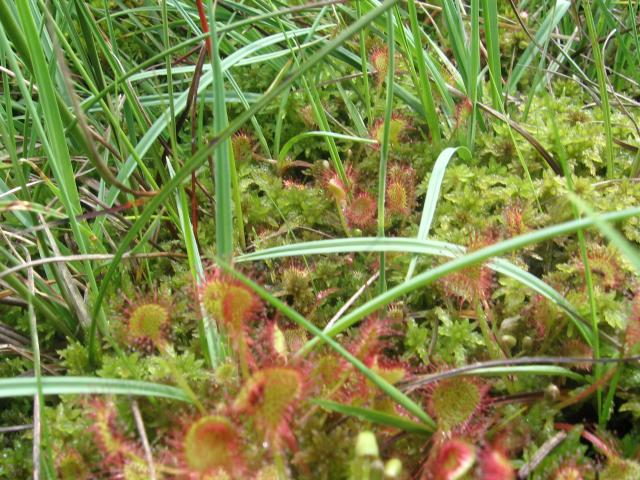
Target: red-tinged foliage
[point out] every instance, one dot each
(270, 346)
(71, 466)
(379, 58)
(463, 111)
(361, 211)
(604, 264)
(119, 454)
(540, 315)
(451, 459)
(336, 187)
(235, 307)
(398, 129)
(370, 339)
(147, 324)
(513, 217)
(329, 373)
(270, 397)
(229, 302)
(209, 446)
(601, 441)
(400, 195)
(577, 348)
(473, 283)
(495, 465)
(108, 437)
(569, 470)
(243, 146)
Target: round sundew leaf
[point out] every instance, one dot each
(454, 459)
(454, 401)
(238, 304)
(211, 296)
(620, 469)
(495, 465)
(397, 201)
(211, 444)
(269, 395)
(148, 320)
(242, 148)
(228, 302)
(361, 211)
(380, 61)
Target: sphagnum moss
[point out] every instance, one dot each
(303, 127)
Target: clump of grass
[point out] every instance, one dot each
(474, 132)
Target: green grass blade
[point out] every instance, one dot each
(375, 417)
(364, 65)
(424, 86)
(385, 146)
(224, 165)
(602, 84)
(457, 37)
(467, 260)
(26, 386)
(399, 397)
(201, 156)
(492, 39)
(433, 193)
(544, 32)
(473, 72)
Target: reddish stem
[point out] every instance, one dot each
(596, 441)
(194, 206)
(204, 24)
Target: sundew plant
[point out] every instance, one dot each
(329, 239)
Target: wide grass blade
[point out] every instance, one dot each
(424, 85)
(467, 260)
(223, 161)
(492, 40)
(69, 385)
(433, 193)
(423, 247)
(542, 36)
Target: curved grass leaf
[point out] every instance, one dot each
(26, 387)
(375, 416)
(433, 193)
(548, 370)
(467, 260)
(386, 387)
(544, 32)
(423, 247)
(293, 140)
(482, 369)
